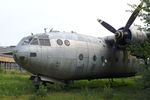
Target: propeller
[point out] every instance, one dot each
(133, 16)
(123, 35)
(107, 26)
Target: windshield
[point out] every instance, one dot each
(42, 40)
(25, 41)
(34, 42)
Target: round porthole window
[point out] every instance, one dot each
(67, 43)
(81, 57)
(94, 58)
(59, 42)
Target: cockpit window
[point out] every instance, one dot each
(44, 42)
(27, 40)
(34, 41)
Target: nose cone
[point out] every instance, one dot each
(20, 56)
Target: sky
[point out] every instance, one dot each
(20, 18)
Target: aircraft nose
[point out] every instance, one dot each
(20, 56)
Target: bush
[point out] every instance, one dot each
(145, 81)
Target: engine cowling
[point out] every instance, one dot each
(132, 35)
(137, 35)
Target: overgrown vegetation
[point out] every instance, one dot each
(42, 91)
(142, 50)
(108, 92)
(16, 86)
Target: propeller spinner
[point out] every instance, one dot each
(123, 35)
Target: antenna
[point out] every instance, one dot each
(45, 29)
(51, 30)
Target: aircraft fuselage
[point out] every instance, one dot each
(71, 56)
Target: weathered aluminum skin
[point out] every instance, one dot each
(63, 63)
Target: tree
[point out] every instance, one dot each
(146, 15)
(142, 50)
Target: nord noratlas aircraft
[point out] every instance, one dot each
(63, 57)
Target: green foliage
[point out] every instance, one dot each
(108, 92)
(42, 91)
(85, 93)
(144, 82)
(14, 85)
(146, 79)
(17, 86)
(141, 50)
(1, 70)
(145, 15)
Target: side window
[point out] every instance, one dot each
(67, 43)
(94, 58)
(59, 42)
(44, 42)
(81, 57)
(34, 41)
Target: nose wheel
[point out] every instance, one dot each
(36, 80)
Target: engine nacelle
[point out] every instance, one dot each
(122, 39)
(137, 35)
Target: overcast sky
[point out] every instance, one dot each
(20, 18)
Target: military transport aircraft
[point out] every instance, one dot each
(63, 57)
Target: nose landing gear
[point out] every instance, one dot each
(36, 81)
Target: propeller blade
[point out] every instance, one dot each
(133, 16)
(107, 26)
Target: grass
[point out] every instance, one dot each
(17, 86)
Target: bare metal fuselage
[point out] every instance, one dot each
(85, 57)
